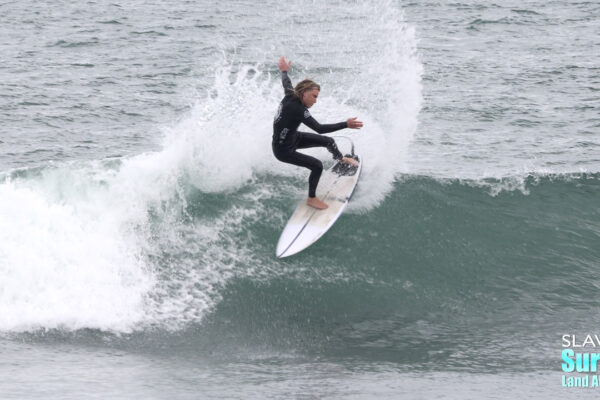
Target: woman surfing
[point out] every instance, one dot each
(293, 110)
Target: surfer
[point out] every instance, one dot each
(292, 111)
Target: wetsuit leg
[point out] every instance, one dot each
(313, 140)
(302, 160)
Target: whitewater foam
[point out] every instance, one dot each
(63, 266)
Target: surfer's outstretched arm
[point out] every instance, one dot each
(287, 83)
(313, 124)
(326, 128)
(284, 67)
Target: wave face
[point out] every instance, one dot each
(464, 264)
(446, 274)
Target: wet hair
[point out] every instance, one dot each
(305, 86)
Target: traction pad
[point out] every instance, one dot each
(343, 169)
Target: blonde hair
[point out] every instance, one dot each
(305, 86)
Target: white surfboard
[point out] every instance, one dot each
(307, 224)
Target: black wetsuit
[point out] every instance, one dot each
(287, 138)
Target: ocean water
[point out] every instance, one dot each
(140, 204)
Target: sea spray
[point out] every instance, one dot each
(153, 239)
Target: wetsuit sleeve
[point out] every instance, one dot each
(313, 124)
(287, 83)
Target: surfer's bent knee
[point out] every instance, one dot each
(318, 166)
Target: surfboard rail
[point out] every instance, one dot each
(307, 224)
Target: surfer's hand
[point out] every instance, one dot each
(354, 123)
(283, 65)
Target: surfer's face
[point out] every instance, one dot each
(310, 97)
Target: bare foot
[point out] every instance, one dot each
(316, 203)
(350, 161)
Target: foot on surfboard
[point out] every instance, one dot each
(347, 166)
(350, 161)
(316, 203)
